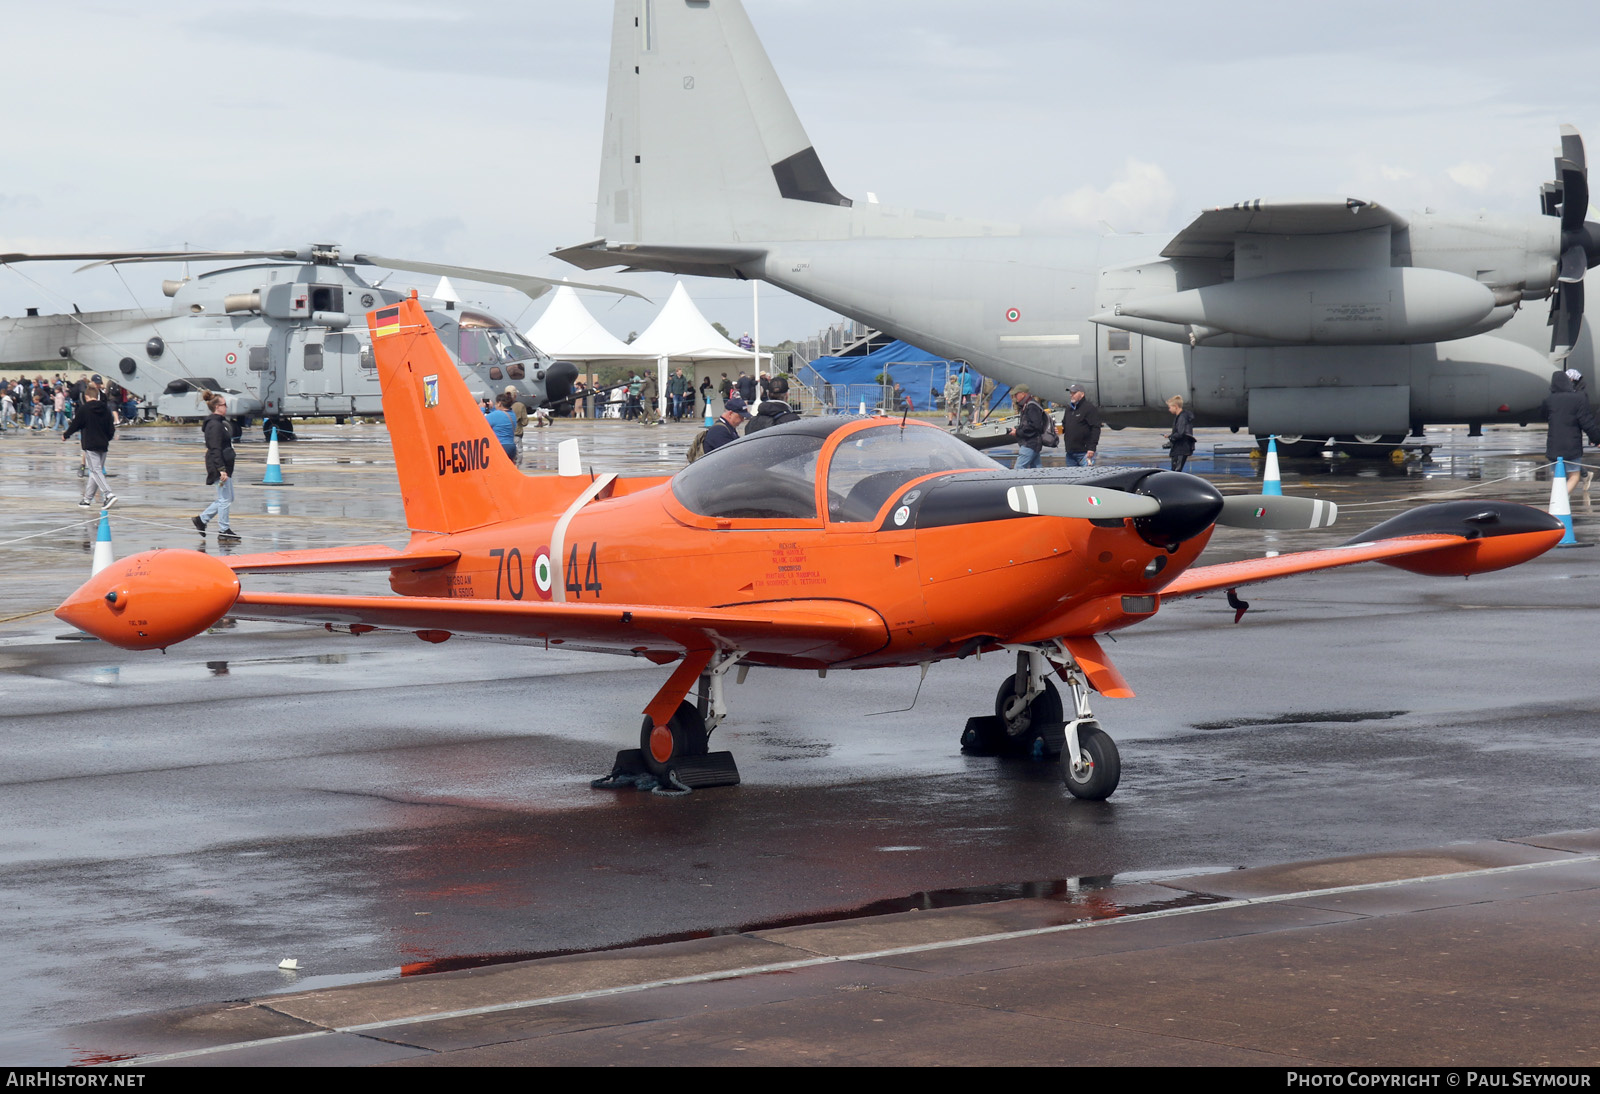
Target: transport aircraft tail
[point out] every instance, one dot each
(704, 158)
(454, 475)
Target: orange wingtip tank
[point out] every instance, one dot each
(150, 601)
(1495, 535)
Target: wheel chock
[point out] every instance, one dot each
(983, 736)
(703, 772)
(689, 773)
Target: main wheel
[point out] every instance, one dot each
(1293, 446)
(1370, 445)
(1023, 722)
(1100, 777)
(684, 736)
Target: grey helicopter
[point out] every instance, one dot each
(283, 336)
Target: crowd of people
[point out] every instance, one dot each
(91, 409)
(41, 403)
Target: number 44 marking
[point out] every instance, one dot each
(591, 573)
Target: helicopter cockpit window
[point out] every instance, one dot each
(871, 465)
(482, 340)
(495, 374)
(516, 371)
(760, 478)
(327, 298)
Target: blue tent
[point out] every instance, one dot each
(918, 372)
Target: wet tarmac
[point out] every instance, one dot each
(175, 825)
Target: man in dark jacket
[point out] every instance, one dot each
(1030, 427)
(95, 427)
(219, 467)
(725, 428)
(1567, 410)
(774, 409)
(1080, 428)
(747, 387)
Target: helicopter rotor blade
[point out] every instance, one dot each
(530, 284)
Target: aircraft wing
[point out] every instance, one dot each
(1252, 571)
(369, 557)
(1212, 233)
(827, 630)
(534, 286)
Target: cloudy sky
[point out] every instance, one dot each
(469, 132)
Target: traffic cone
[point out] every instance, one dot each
(710, 418)
(863, 410)
(274, 475)
(102, 545)
(1561, 505)
(1271, 481)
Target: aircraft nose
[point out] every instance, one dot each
(1189, 505)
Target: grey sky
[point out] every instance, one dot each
(469, 133)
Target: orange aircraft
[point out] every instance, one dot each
(825, 543)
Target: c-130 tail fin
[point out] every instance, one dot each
(704, 158)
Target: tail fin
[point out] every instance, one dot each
(703, 147)
(453, 473)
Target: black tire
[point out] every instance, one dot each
(1370, 446)
(1100, 781)
(1295, 447)
(684, 736)
(1017, 733)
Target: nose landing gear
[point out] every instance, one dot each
(1028, 709)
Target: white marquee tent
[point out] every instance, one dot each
(678, 336)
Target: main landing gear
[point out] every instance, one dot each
(1028, 719)
(674, 756)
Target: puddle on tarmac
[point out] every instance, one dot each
(152, 671)
(1306, 718)
(1088, 898)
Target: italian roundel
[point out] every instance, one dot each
(544, 578)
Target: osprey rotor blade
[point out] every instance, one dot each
(1084, 502)
(1276, 512)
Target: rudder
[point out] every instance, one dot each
(453, 473)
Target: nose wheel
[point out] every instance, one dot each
(1097, 769)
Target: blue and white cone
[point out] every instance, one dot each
(1272, 481)
(102, 546)
(710, 418)
(274, 475)
(1561, 505)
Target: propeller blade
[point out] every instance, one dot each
(1572, 147)
(530, 284)
(1550, 199)
(1057, 499)
(1574, 197)
(1276, 512)
(1566, 317)
(1574, 264)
